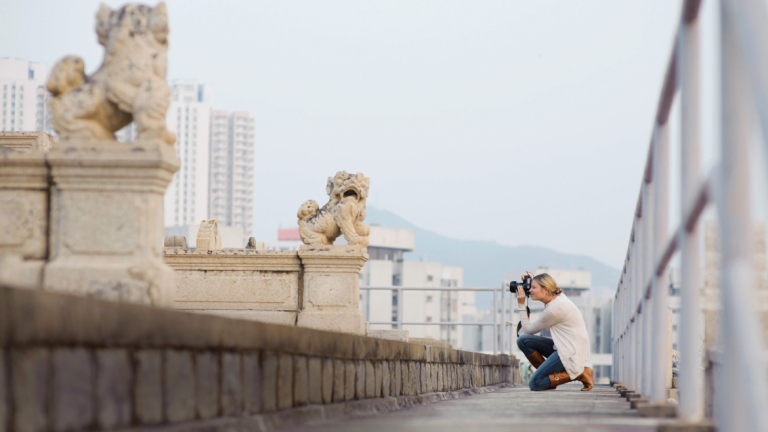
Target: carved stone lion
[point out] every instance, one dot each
(343, 214)
(129, 86)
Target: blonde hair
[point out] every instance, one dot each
(547, 282)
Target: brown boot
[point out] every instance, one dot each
(586, 379)
(558, 378)
(536, 359)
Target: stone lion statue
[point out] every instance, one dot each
(129, 86)
(343, 214)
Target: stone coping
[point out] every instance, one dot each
(30, 318)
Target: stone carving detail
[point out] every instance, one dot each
(129, 86)
(343, 214)
(209, 236)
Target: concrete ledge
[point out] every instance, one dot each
(30, 317)
(704, 426)
(657, 410)
(319, 414)
(638, 402)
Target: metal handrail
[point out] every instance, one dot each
(640, 338)
(499, 326)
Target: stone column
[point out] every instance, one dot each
(107, 220)
(331, 288)
(23, 216)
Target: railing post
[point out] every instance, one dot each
(661, 360)
(636, 295)
(743, 378)
(632, 332)
(691, 374)
(647, 277)
(399, 309)
(495, 325)
(503, 319)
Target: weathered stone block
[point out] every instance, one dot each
(269, 369)
(398, 378)
(360, 379)
(327, 381)
(5, 414)
(252, 383)
(315, 376)
(300, 381)
(207, 384)
(386, 389)
(331, 279)
(423, 378)
(413, 378)
(114, 375)
(349, 380)
(379, 378)
(148, 386)
(285, 381)
(339, 388)
(73, 383)
(108, 220)
(30, 370)
(370, 379)
(398, 335)
(430, 377)
(231, 384)
(439, 377)
(179, 391)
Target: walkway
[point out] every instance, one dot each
(510, 409)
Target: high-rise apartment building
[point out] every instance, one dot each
(386, 267)
(189, 117)
(24, 99)
(216, 150)
(232, 169)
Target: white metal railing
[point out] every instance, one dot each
(499, 330)
(640, 337)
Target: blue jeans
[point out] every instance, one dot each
(546, 347)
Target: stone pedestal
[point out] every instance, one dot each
(23, 216)
(107, 220)
(331, 288)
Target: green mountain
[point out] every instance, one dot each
(485, 262)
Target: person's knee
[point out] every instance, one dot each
(539, 384)
(521, 341)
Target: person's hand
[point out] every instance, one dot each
(527, 274)
(520, 295)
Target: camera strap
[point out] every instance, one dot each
(520, 323)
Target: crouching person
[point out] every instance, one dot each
(564, 357)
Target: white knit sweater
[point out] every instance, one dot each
(569, 332)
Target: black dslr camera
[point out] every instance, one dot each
(526, 284)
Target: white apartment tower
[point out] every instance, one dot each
(232, 169)
(189, 117)
(24, 97)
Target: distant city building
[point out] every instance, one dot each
(386, 267)
(24, 97)
(189, 117)
(232, 169)
(216, 149)
(287, 240)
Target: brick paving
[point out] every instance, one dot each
(514, 408)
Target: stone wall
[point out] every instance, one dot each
(73, 363)
(316, 287)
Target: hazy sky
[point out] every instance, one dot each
(521, 122)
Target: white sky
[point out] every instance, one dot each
(521, 122)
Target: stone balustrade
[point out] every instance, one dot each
(74, 363)
(316, 287)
